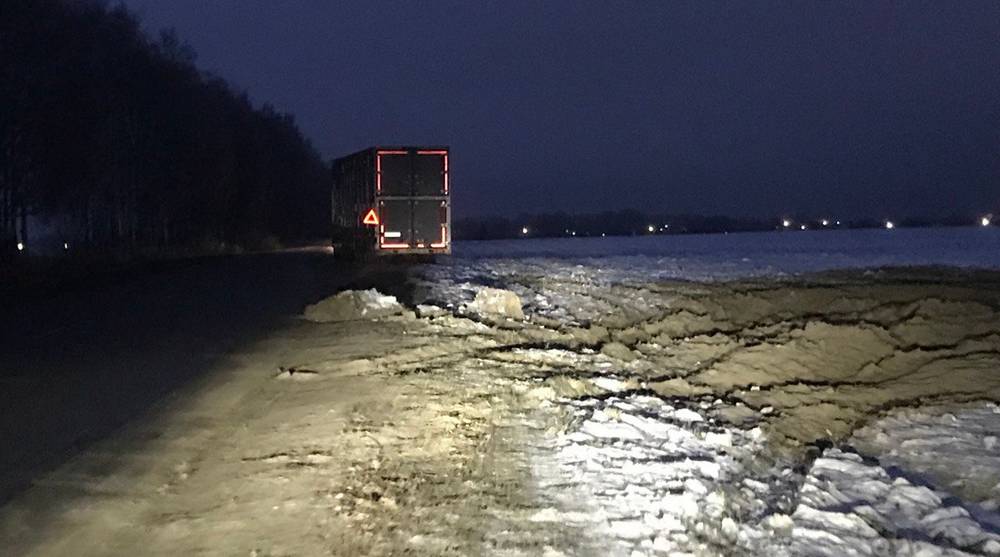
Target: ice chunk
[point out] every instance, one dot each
(724, 439)
(689, 416)
(729, 528)
(609, 384)
(426, 310)
(496, 301)
(780, 524)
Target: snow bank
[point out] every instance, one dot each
(351, 305)
(953, 447)
(497, 302)
(848, 506)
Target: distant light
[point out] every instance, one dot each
(66, 246)
(985, 221)
(826, 222)
(20, 246)
(838, 223)
(889, 225)
(803, 227)
(603, 234)
(651, 228)
(524, 230)
(573, 233)
(786, 223)
(666, 226)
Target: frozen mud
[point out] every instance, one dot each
(850, 413)
(351, 305)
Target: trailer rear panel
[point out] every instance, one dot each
(392, 200)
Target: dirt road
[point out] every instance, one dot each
(78, 364)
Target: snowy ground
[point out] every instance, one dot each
(627, 413)
(722, 417)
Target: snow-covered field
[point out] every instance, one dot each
(725, 256)
(599, 263)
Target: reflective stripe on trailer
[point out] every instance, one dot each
(444, 240)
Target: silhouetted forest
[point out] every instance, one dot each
(636, 223)
(610, 223)
(116, 142)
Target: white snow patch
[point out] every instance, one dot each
(689, 416)
(847, 503)
(609, 384)
(651, 476)
(495, 301)
(350, 305)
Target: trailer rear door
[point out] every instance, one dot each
(430, 173)
(396, 228)
(394, 174)
(430, 223)
(413, 193)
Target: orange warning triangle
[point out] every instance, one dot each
(371, 218)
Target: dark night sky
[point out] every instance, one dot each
(747, 108)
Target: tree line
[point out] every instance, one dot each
(608, 223)
(638, 223)
(118, 143)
